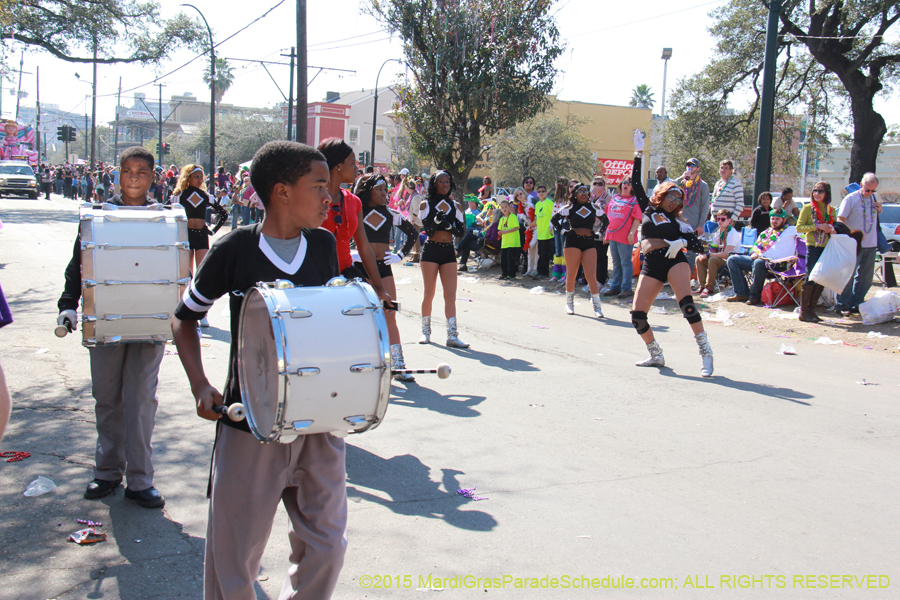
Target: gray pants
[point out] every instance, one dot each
(249, 480)
(124, 379)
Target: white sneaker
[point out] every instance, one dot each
(204, 322)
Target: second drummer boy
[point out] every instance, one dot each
(249, 479)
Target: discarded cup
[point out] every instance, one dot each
(538, 289)
(39, 486)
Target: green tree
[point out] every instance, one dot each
(835, 57)
(543, 147)
(69, 30)
(238, 137)
(224, 77)
(478, 66)
(641, 97)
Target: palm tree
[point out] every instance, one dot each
(224, 77)
(641, 97)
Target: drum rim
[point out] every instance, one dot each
(281, 358)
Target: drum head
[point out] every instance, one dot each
(259, 366)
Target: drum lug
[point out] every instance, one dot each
(298, 312)
(283, 284)
(306, 371)
(112, 339)
(301, 425)
(88, 318)
(88, 283)
(366, 368)
(338, 281)
(358, 420)
(88, 245)
(355, 311)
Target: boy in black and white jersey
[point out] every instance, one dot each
(249, 478)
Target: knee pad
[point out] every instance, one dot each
(689, 310)
(640, 322)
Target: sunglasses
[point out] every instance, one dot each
(581, 190)
(721, 219)
(600, 183)
(818, 191)
(674, 198)
(338, 208)
(868, 190)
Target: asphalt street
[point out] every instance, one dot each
(776, 478)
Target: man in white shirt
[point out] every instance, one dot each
(860, 210)
(728, 193)
(773, 245)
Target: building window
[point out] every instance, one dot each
(379, 135)
(354, 136)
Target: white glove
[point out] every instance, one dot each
(390, 258)
(674, 247)
(564, 211)
(354, 256)
(70, 316)
(638, 140)
(685, 228)
(397, 218)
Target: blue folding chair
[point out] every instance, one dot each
(748, 238)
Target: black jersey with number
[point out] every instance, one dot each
(234, 264)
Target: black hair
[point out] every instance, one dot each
(787, 190)
(335, 151)
(573, 195)
(364, 185)
(280, 161)
(432, 186)
(138, 152)
(526, 178)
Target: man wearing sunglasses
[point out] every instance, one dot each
(696, 202)
(860, 210)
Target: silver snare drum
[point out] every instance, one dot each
(134, 269)
(313, 360)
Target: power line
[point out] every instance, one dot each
(362, 35)
(351, 45)
(647, 19)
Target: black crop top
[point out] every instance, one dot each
(441, 214)
(581, 216)
(656, 222)
(195, 201)
(378, 221)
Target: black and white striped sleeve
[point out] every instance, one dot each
(209, 283)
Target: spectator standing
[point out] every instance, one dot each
(816, 221)
(510, 245)
(559, 200)
(724, 240)
(662, 175)
(600, 197)
(774, 245)
(528, 186)
(485, 191)
(786, 203)
(544, 232)
(860, 210)
(696, 203)
(728, 193)
(625, 216)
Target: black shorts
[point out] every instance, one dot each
(384, 270)
(198, 239)
(657, 264)
(581, 242)
(438, 252)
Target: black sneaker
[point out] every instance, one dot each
(148, 498)
(100, 488)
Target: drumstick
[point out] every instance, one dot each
(62, 330)
(235, 411)
(443, 371)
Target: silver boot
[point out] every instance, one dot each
(397, 363)
(706, 355)
(570, 303)
(453, 340)
(656, 356)
(595, 300)
(426, 330)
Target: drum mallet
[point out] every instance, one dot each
(443, 371)
(62, 330)
(235, 411)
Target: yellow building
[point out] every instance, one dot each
(610, 131)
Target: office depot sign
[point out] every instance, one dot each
(615, 170)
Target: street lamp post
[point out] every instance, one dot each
(212, 95)
(666, 55)
(375, 109)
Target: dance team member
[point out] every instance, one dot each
(577, 219)
(124, 376)
(664, 235)
(345, 217)
(378, 220)
(190, 190)
(249, 478)
(442, 220)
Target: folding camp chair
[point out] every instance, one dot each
(792, 277)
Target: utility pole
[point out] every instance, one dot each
(19, 90)
(94, 105)
(763, 175)
(37, 79)
(86, 135)
(290, 123)
(118, 103)
(160, 122)
(301, 71)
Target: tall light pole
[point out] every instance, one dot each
(375, 109)
(212, 94)
(763, 172)
(666, 55)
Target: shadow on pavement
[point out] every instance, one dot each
(411, 490)
(492, 360)
(455, 405)
(769, 391)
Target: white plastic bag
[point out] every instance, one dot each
(881, 308)
(837, 263)
(39, 486)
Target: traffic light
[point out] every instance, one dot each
(62, 133)
(364, 157)
(165, 148)
(72, 136)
